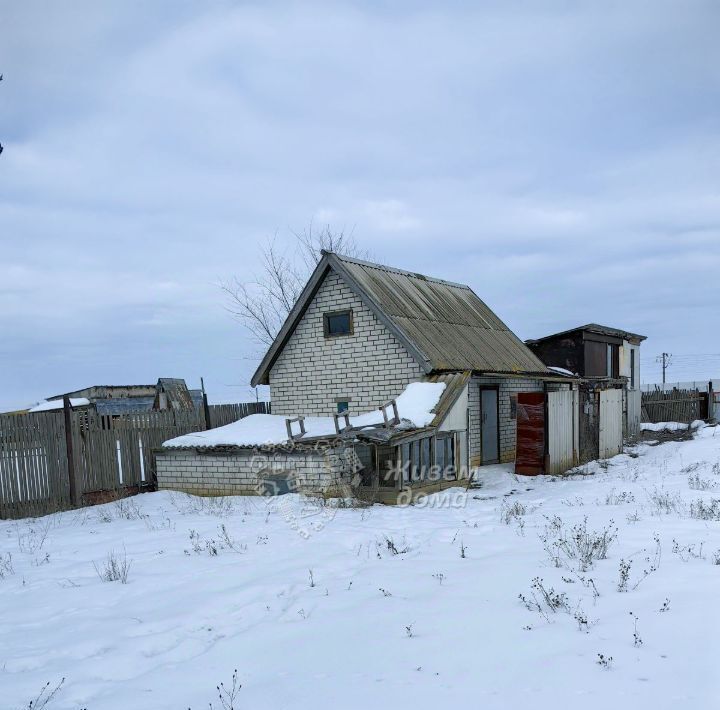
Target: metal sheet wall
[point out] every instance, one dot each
(634, 399)
(562, 430)
(611, 423)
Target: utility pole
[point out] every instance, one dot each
(665, 359)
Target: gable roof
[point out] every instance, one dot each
(593, 328)
(443, 325)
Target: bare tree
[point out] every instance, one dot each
(263, 304)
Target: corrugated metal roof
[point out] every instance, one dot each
(446, 322)
(443, 325)
(594, 328)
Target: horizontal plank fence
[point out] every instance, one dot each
(111, 454)
(676, 405)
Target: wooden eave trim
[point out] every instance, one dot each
(262, 374)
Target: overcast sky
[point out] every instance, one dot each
(564, 162)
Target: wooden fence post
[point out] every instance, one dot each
(75, 490)
(206, 407)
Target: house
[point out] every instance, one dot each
(606, 359)
(360, 332)
(360, 335)
(167, 393)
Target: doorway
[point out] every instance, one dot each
(489, 426)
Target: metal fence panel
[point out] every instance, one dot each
(611, 423)
(562, 430)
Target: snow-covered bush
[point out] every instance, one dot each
(128, 509)
(115, 568)
(227, 694)
(703, 510)
(511, 513)
(624, 571)
(544, 599)
(700, 484)
(32, 539)
(687, 552)
(44, 697)
(6, 566)
(613, 498)
(578, 544)
(190, 505)
(664, 503)
(214, 545)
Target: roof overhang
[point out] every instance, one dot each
(595, 329)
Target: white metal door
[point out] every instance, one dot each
(611, 416)
(562, 430)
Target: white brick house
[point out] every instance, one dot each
(360, 332)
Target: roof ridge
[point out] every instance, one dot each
(395, 270)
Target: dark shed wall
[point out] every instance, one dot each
(564, 351)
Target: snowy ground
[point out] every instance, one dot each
(316, 610)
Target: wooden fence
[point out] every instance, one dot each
(222, 414)
(105, 454)
(33, 465)
(676, 405)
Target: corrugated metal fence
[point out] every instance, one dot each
(110, 454)
(562, 430)
(611, 423)
(634, 405)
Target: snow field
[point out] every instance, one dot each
(378, 607)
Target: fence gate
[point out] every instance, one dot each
(116, 452)
(530, 434)
(611, 423)
(562, 431)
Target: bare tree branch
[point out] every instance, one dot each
(263, 304)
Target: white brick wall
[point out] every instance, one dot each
(239, 472)
(312, 372)
(508, 387)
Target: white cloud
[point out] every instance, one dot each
(563, 160)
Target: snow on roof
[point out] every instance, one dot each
(58, 404)
(561, 371)
(415, 405)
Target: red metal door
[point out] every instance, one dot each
(530, 441)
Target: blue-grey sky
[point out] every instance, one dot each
(561, 158)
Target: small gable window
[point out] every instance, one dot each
(343, 407)
(338, 323)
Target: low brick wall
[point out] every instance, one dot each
(208, 472)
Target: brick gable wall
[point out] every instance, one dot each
(312, 372)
